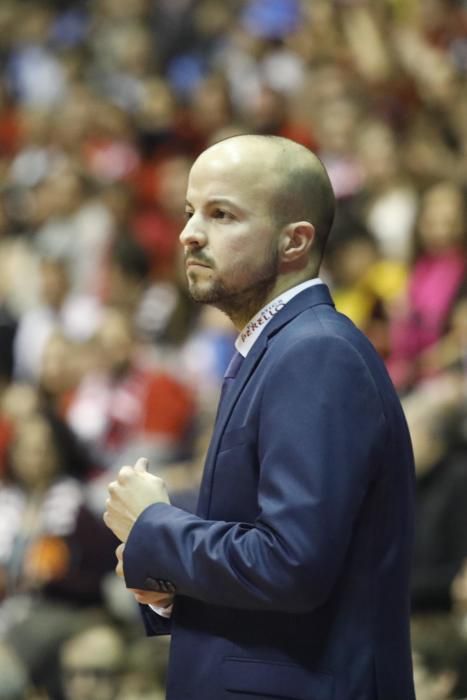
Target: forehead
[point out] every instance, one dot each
(246, 174)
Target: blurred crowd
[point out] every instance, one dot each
(104, 105)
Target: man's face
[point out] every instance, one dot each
(230, 241)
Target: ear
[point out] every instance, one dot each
(296, 242)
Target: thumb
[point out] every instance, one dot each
(141, 465)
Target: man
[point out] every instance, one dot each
(292, 579)
(92, 663)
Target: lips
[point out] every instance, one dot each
(192, 262)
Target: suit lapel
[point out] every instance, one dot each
(223, 415)
(312, 296)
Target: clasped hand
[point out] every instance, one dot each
(134, 490)
(160, 600)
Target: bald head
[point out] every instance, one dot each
(259, 210)
(294, 179)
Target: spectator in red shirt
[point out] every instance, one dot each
(126, 400)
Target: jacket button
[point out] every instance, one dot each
(152, 584)
(169, 586)
(159, 585)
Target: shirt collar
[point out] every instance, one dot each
(255, 326)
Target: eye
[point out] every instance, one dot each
(188, 214)
(222, 215)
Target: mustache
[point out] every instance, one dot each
(202, 259)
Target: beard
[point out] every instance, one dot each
(245, 299)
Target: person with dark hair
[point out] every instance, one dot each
(291, 581)
(364, 284)
(128, 274)
(92, 663)
(131, 258)
(54, 552)
(437, 276)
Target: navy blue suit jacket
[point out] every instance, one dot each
(292, 578)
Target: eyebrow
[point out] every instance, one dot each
(219, 200)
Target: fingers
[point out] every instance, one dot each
(119, 555)
(141, 465)
(118, 523)
(124, 476)
(161, 600)
(133, 490)
(126, 472)
(113, 488)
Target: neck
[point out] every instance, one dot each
(245, 308)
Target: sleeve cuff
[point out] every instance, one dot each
(162, 612)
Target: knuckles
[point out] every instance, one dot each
(125, 474)
(112, 488)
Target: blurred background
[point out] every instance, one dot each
(103, 357)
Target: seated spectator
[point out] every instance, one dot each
(364, 283)
(126, 402)
(98, 662)
(270, 114)
(387, 200)
(156, 224)
(53, 551)
(336, 123)
(19, 401)
(77, 227)
(449, 351)
(145, 677)
(127, 275)
(76, 315)
(92, 664)
(435, 281)
(63, 363)
(435, 414)
(159, 307)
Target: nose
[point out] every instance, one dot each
(193, 235)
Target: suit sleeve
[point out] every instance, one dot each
(321, 429)
(155, 625)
